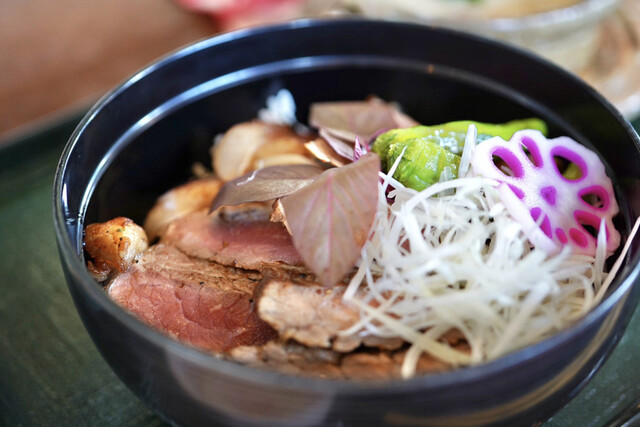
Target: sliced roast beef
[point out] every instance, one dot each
(290, 358)
(313, 315)
(191, 196)
(244, 238)
(293, 358)
(305, 311)
(205, 304)
(386, 364)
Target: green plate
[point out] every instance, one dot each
(52, 374)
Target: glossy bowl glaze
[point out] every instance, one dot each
(143, 137)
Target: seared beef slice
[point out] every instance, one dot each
(314, 315)
(306, 312)
(244, 239)
(201, 303)
(292, 358)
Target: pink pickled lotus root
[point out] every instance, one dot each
(553, 209)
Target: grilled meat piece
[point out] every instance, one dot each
(245, 238)
(196, 299)
(313, 315)
(179, 201)
(305, 311)
(112, 246)
(200, 303)
(251, 145)
(292, 358)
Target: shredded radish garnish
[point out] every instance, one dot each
(469, 145)
(452, 258)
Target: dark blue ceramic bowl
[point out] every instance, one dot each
(142, 138)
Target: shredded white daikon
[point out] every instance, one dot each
(452, 258)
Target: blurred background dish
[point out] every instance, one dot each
(596, 39)
(615, 68)
(564, 31)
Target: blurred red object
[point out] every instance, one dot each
(231, 14)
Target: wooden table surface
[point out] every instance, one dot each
(60, 56)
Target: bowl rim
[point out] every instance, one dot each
(68, 249)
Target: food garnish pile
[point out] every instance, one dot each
(367, 245)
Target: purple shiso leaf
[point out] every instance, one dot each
(358, 149)
(340, 122)
(341, 145)
(330, 219)
(362, 118)
(266, 184)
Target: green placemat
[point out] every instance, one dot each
(50, 371)
(52, 374)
